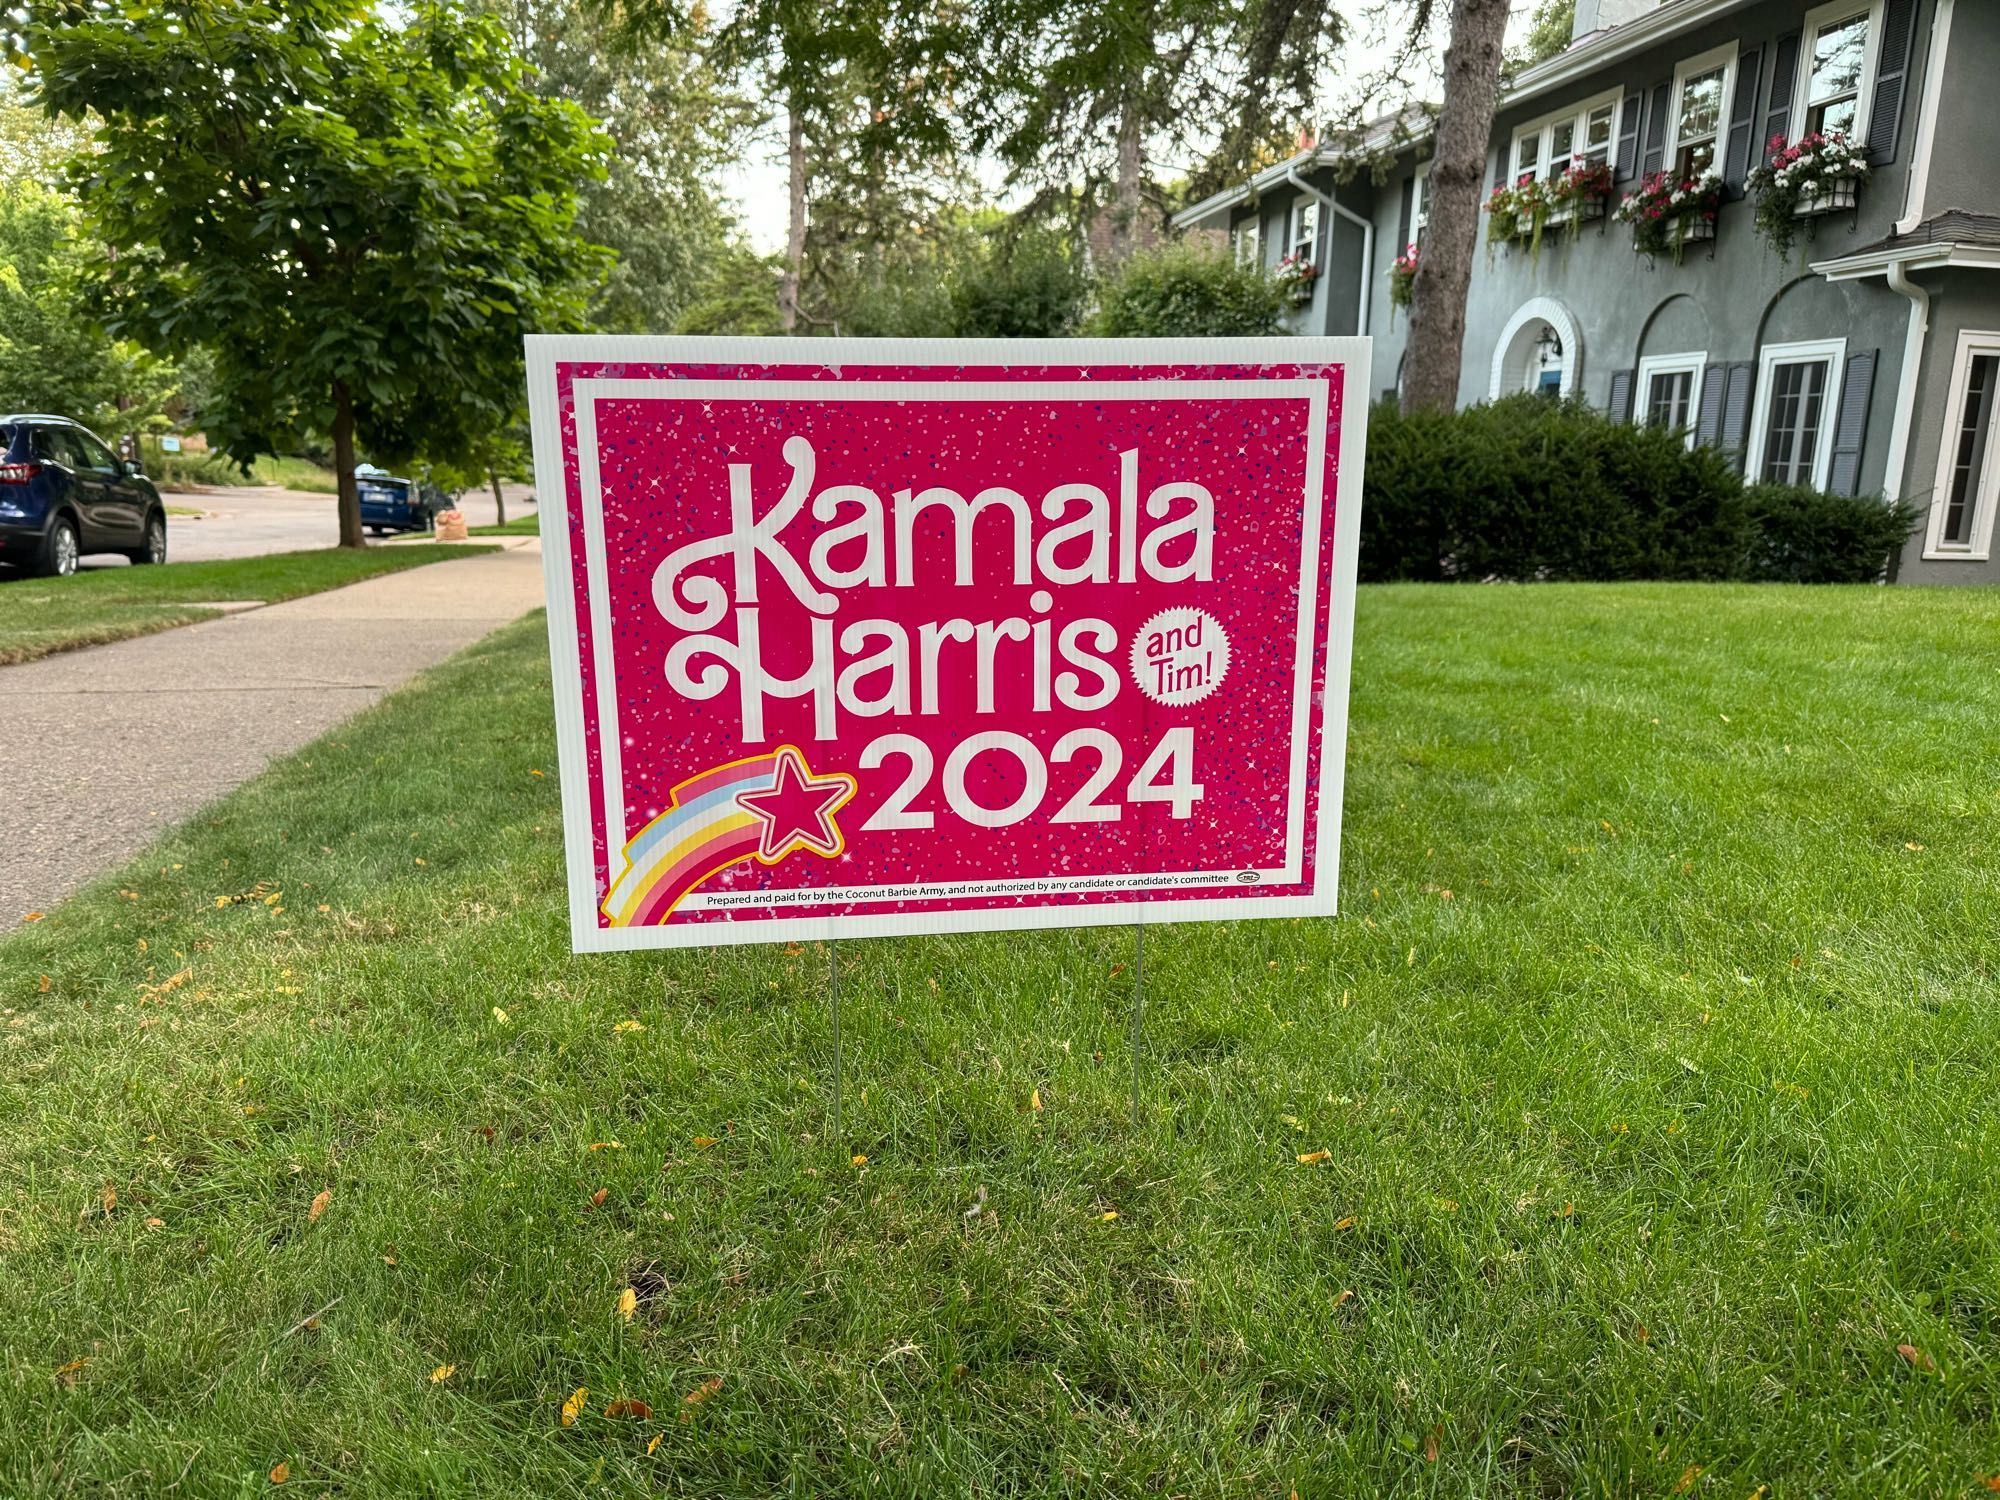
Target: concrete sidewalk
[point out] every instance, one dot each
(106, 747)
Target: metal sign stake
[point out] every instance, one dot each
(1138, 1013)
(833, 998)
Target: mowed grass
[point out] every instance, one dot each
(528, 525)
(40, 616)
(1644, 1089)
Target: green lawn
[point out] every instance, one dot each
(179, 470)
(40, 616)
(528, 525)
(1645, 1084)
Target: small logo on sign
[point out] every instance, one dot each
(1179, 656)
(1248, 877)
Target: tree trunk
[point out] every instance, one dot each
(343, 466)
(795, 236)
(1458, 171)
(499, 500)
(1125, 203)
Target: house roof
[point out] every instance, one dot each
(1584, 56)
(1956, 237)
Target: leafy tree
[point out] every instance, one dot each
(738, 295)
(360, 216)
(1188, 290)
(1548, 33)
(1020, 283)
(675, 123)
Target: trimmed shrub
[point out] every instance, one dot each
(1803, 536)
(1186, 290)
(1526, 489)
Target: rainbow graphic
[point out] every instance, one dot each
(747, 809)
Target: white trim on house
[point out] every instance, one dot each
(1420, 209)
(1972, 343)
(1919, 257)
(1302, 228)
(1539, 310)
(1583, 58)
(1917, 186)
(1806, 351)
(1722, 58)
(1817, 19)
(1671, 364)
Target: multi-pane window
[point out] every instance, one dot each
(1967, 476)
(1548, 147)
(1670, 391)
(1305, 229)
(1701, 88)
(1420, 203)
(1247, 240)
(1833, 80)
(1791, 430)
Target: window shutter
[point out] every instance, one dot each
(1621, 394)
(1628, 137)
(1656, 131)
(1708, 420)
(1844, 475)
(1892, 74)
(1784, 74)
(1743, 120)
(1739, 380)
(1409, 207)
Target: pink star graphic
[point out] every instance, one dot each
(797, 810)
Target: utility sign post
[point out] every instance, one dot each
(855, 637)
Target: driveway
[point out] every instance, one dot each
(252, 521)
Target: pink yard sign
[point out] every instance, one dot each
(858, 637)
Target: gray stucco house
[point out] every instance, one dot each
(1867, 362)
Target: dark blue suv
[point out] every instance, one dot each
(64, 494)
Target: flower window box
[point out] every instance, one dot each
(1839, 196)
(1815, 175)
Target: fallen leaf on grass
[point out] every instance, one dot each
(704, 1141)
(1309, 1158)
(43, 987)
(607, 1146)
(574, 1405)
(1108, 1215)
(1567, 1211)
(443, 1373)
(1345, 1296)
(624, 1406)
(1992, 1482)
(699, 1394)
(280, 1472)
(1035, 1099)
(1347, 1221)
(654, 1446)
(156, 1223)
(628, 1303)
(1431, 1443)
(629, 1026)
(1915, 1357)
(1688, 1476)
(108, 1196)
(66, 1374)
(1642, 1333)
(859, 1160)
(320, 1200)
(597, 1198)
(500, 1015)
(33, 916)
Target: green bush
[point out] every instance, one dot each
(1027, 285)
(1803, 536)
(1185, 290)
(1527, 489)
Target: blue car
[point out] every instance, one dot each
(392, 504)
(64, 493)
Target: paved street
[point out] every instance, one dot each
(106, 747)
(253, 521)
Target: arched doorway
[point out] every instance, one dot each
(1540, 351)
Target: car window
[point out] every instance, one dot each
(95, 454)
(55, 447)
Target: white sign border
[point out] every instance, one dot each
(545, 352)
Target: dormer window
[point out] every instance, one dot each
(1701, 84)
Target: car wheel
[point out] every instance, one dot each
(155, 550)
(59, 549)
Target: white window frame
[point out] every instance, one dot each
(1834, 352)
(1723, 57)
(1864, 99)
(1246, 241)
(1297, 236)
(1543, 130)
(1420, 207)
(1986, 496)
(1671, 364)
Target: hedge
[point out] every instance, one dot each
(1528, 489)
